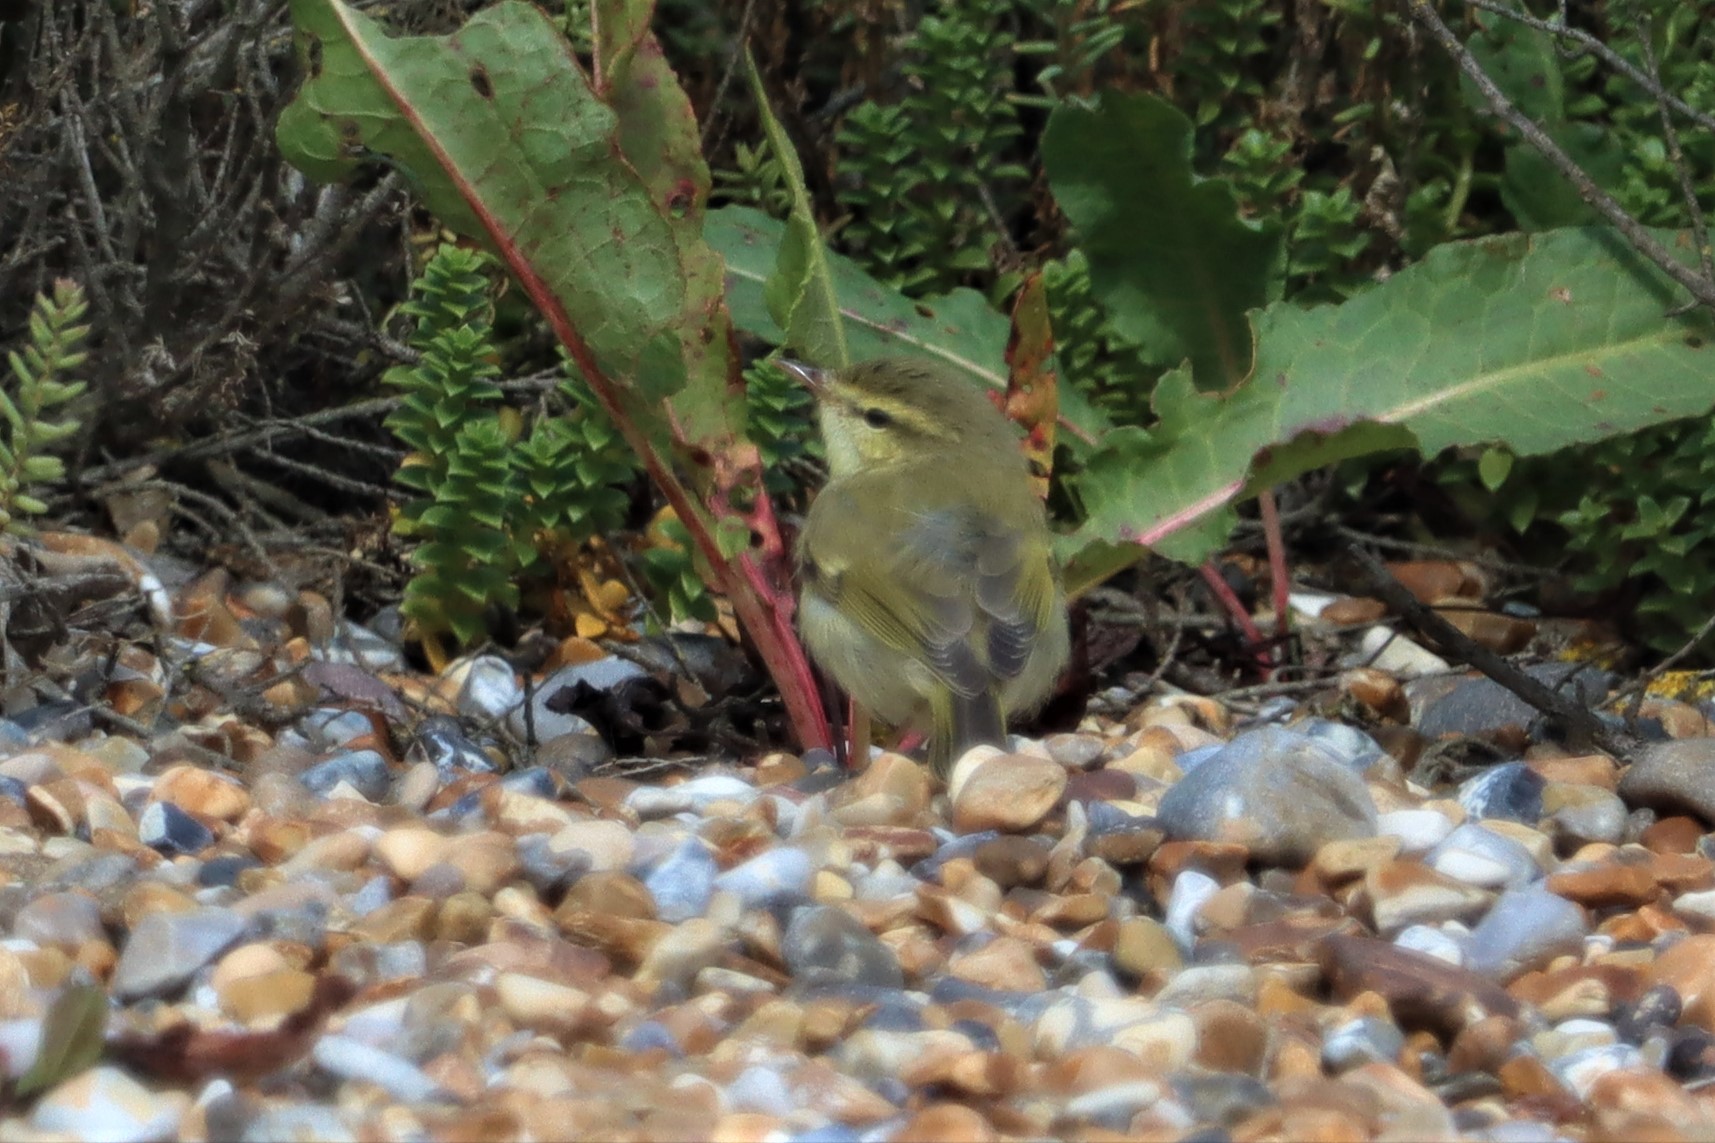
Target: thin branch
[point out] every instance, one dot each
(1604, 53)
(1582, 725)
(1670, 135)
(1633, 695)
(1641, 239)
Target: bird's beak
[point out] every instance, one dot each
(813, 379)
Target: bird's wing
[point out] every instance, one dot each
(948, 583)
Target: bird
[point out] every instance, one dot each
(928, 586)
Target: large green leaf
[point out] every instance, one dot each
(1171, 261)
(1537, 341)
(502, 136)
(593, 197)
(959, 329)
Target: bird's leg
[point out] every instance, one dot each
(859, 756)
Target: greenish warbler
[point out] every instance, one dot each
(929, 589)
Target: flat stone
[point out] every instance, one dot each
(1477, 707)
(1510, 791)
(1007, 792)
(106, 1103)
(409, 850)
(1421, 991)
(165, 949)
(1526, 928)
(1673, 777)
(826, 943)
(1281, 795)
(1404, 893)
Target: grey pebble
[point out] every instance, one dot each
(165, 950)
(772, 877)
(826, 943)
(683, 882)
(366, 771)
(353, 1059)
(1673, 777)
(1361, 1041)
(1512, 791)
(1279, 793)
(1525, 928)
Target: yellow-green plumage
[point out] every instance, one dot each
(929, 591)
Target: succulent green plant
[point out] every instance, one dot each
(493, 499)
(927, 180)
(40, 371)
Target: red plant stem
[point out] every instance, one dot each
(1217, 585)
(764, 612)
(1276, 558)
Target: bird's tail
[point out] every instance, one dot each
(961, 722)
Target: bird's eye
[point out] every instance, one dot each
(877, 418)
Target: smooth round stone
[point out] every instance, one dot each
(1113, 1105)
(1673, 777)
(1198, 984)
(1281, 795)
(410, 850)
(542, 1005)
(826, 944)
(693, 796)
(1011, 793)
(1405, 893)
(441, 741)
(537, 781)
(488, 687)
(352, 1059)
(204, 792)
(328, 729)
(1357, 749)
(169, 830)
(265, 996)
(1419, 831)
(1511, 791)
(1075, 751)
(166, 949)
(770, 878)
(1525, 928)
(1433, 942)
(1145, 949)
(682, 952)
(1191, 890)
(1589, 813)
(605, 845)
(365, 771)
(1482, 857)
(64, 920)
(1218, 1097)
(1009, 860)
(106, 1103)
(1361, 1041)
(763, 1089)
(374, 647)
(683, 883)
(1581, 1069)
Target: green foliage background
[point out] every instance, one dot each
(1340, 122)
(1348, 145)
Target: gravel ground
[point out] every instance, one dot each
(1172, 924)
